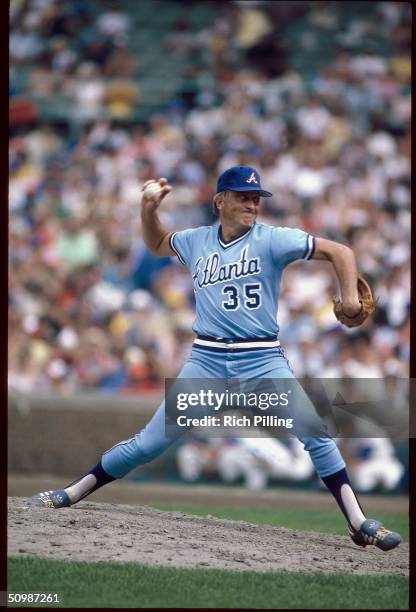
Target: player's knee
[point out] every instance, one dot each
(148, 448)
(319, 448)
(312, 443)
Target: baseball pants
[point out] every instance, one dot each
(268, 363)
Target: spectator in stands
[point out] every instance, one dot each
(372, 464)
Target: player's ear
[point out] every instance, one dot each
(218, 201)
(215, 201)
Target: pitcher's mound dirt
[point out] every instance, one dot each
(113, 532)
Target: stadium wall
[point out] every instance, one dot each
(66, 435)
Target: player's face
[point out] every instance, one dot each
(240, 208)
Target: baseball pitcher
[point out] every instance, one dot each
(236, 268)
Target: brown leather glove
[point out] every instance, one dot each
(367, 305)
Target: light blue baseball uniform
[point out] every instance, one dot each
(236, 287)
(237, 283)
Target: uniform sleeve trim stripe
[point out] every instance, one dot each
(170, 241)
(310, 247)
(172, 246)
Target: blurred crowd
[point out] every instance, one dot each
(256, 462)
(90, 307)
(74, 51)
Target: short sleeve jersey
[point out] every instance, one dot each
(237, 283)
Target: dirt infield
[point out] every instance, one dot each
(124, 492)
(104, 532)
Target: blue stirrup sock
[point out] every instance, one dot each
(96, 478)
(340, 486)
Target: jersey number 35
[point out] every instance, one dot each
(249, 295)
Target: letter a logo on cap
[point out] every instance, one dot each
(252, 178)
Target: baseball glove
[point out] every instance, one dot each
(367, 305)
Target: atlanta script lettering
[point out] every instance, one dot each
(211, 272)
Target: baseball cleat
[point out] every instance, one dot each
(373, 532)
(51, 499)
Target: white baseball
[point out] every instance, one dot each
(152, 190)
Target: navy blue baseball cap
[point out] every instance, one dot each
(241, 178)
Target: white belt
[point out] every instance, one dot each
(227, 344)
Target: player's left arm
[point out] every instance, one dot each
(343, 260)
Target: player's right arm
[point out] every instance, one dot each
(155, 235)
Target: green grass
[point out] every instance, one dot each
(325, 521)
(129, 585)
